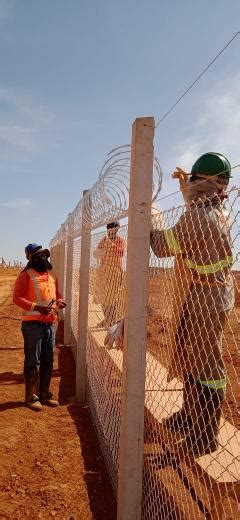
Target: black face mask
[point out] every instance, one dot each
(41, 264)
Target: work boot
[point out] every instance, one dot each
(178, 422)
(31, 399)
(45, 395)
(206, 415)
(49, 400)
(37, 382)
(181, 421)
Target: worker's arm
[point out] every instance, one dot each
(164, 243)
(19, 296)
(175, 240)
(20, 291)
(100, 251)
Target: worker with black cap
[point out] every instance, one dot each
(109, 254)
(36, 292)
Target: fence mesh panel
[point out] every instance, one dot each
(75, 293)
(191, 348)
(65, 269)
(104, 367)
(192, 332)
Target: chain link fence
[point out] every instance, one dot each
(191, 453)
(187, 455)
(104, 378)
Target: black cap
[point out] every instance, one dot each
(113, 224)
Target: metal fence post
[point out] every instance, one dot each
(134, 364)
(81, 369)
(69, 273)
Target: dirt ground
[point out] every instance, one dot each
(51, 464)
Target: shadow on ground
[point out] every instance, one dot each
(11, 378)
(101, 497)
(11, 405)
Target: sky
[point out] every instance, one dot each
(75, 75)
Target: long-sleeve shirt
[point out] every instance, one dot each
(21, 288)
(113, 251)
(202, 238)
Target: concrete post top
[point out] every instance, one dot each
(145, 121)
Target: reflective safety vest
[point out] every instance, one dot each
(212, 268)
(41, 290)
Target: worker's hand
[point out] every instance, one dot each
(115, 335)
(43, 309)
(61, 304)
(182, 176)
(99, 253)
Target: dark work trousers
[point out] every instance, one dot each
(39, 343)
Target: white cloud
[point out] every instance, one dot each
(5, 8)
(19, 137)
(23, 121)
(17, 204)
(25, 106)
(216, 126)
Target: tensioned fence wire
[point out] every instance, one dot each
(192, 337)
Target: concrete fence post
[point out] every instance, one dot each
(134, 363)
(62, 262)
(55, 256)
(69, 275)
(81, 368)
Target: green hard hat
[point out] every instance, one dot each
(212, 164)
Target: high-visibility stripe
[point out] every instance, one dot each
(172, 242)
(211, 268)
(31, 313)
(215, 384)
(38, 295)
(36, 284)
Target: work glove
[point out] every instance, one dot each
(157, 218)
(115, 335)
(182, 176)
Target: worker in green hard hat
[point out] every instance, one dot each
(201, 238)
(212, 167)
(201, 244)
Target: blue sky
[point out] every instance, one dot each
(75, 75)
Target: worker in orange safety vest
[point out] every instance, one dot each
(36, 292)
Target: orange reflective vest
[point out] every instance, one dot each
(41, 290)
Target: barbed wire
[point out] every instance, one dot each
(108, 198)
